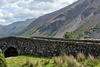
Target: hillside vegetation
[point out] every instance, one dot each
(87, 32)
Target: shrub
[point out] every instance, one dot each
(93, 63)
(29, 62)
(71, 56)
(37, 64)
(98, 65)
(2, 60)
(32, 63)
(46, 62)
(68, 35)
(63, 57)
(58, 61)
(90, 57)
(71, 62)
(66, 61)
(80, 57)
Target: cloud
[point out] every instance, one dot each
(15, 10)
(2, 20)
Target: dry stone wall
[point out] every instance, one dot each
(50, 47)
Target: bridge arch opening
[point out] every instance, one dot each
(11, 51)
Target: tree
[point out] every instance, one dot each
(68, 35)
(2, 60)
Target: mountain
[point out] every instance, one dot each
(82, 18)
(1, 28)
(14, 28)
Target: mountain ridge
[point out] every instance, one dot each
(81, 18)
(14, 28)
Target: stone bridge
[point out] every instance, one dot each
(12, 46)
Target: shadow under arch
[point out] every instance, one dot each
(10, 52)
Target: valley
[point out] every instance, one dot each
(64, 37)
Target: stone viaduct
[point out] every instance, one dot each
(12, 46)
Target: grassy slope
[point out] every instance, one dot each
(20, 61)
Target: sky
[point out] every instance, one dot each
(20, 10)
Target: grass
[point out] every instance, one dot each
(2, 60)
(81, 57)
(19, 61)
(60, 61)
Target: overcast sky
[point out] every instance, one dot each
(16, 10)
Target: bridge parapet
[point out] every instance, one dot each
(50, 46)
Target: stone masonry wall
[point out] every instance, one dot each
(50, 47)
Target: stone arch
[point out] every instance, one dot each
(11, 51)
